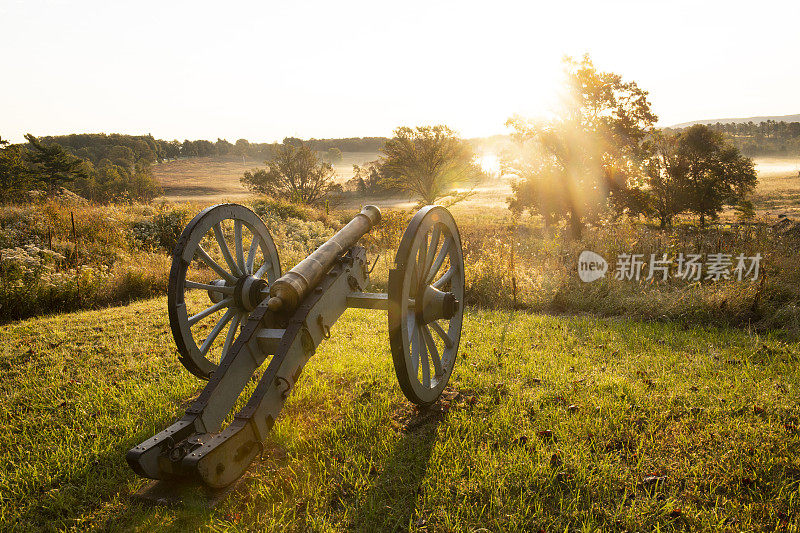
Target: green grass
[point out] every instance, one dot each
(553, 423)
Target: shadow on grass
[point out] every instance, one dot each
(390, 503)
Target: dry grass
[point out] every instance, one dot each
(778, 190)
(216, 179)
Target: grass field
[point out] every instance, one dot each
(778, 190)
(553, 423)
(216, 179)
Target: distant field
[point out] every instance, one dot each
(213, 179)
(217, 178)
(778, 190)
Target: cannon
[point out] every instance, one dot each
(232, 312)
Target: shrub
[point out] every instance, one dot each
(282, 209)
(160, 232)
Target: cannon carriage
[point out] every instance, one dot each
(250, 315)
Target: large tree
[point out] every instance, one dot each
(593, 150)
(294, 172)
(428, 163)
(711, 172)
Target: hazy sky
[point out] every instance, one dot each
(266, 70)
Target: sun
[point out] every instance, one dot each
(490, 164)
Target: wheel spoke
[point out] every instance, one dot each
(237, 241)
(251, 253)
(231, 334)
(444, 279)
(226, 253)
(263, 269)
(214, 333)
(434, 244)
(214, 265)
(412, 288)
(434, 351)
(423, 360)
(224, 289)
(422, 255)
(438, 263)
(209, 310)
(415, 349)
(448, 342)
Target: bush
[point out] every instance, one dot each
(115, 254)
(282, 209)
(160, 232)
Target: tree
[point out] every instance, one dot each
(53, 166)
(665, 195)
(188, 149)
(14, 176)
(368, 178)
(333, 155)
(108, 182)
(712, 173)
(142, 185)
(223, 147)
(539, 191)
(295, 173)
(242, 147)
(594, 149)
(428, 163)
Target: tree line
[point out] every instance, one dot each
(43, 168)
(114, 167)
(776, 138)
(95, 147)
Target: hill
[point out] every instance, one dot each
(754, 120)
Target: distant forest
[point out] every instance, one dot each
(752, 139)
(115, 167)
(96, 147)
(769, 138)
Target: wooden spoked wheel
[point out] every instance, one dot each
(426, 304)
(222, 266)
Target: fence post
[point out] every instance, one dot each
(512, 266)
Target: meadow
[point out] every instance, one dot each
(616, 405)
(551, 423)
(215, 179)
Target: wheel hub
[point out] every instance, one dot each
(437, 305)
(248, 292)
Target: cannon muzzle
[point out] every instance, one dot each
(290, 289)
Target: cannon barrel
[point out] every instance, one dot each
(290, 289)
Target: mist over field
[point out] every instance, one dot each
(214, 179)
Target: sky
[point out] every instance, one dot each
(266, 70)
